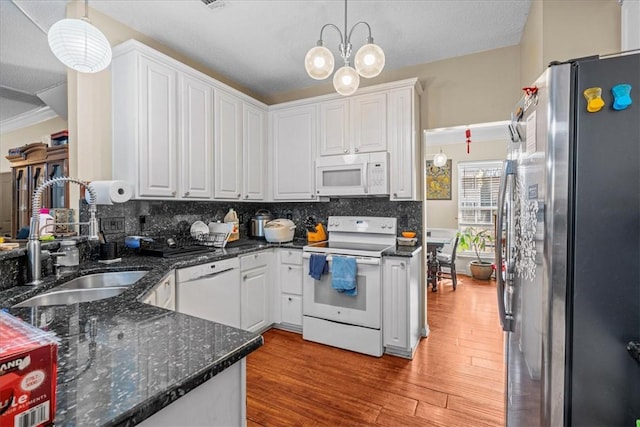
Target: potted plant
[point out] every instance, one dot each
(477, 240)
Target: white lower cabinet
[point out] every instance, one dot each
(164, 293)
(401, 304)
(255, 291)
(220, 401)
(289, 294)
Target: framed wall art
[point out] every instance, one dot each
(438, 181)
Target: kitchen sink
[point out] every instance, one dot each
(87, 288)
(103, 280)
(72, 296)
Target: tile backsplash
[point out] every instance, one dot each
(154, 217)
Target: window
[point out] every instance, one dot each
(478, 185)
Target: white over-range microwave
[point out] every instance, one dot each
(353, 175)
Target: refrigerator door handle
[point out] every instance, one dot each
(633, 347)
(506, 319)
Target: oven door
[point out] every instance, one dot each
(322, 301)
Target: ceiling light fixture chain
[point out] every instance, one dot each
(369, 60)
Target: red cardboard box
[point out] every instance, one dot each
(28, 374)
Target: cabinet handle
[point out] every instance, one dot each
(239, 195)
(395, 194)
(246, 196)
(313, 196)
(289, 268)
(244, 277)
(357, 150)
(173, 193)
(289, 298)
(346, 151)
(186, 194)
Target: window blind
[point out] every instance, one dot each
(478, 186)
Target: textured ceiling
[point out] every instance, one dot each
(261, 44)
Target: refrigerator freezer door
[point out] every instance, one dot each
(605, 295)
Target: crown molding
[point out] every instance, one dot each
(26, 119)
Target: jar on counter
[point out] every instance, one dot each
(70, 262)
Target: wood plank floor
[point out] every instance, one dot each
(455, 379)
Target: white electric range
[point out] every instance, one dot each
(337, 319)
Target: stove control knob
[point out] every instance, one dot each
(383, 226)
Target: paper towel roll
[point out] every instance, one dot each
(109, 192)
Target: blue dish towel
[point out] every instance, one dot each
(318, 266)
(343, 275)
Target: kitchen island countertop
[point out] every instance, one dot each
(120, 360)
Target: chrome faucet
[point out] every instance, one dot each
(34, 252)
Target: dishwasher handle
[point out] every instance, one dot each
(206, 276)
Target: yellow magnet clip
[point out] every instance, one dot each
(593, 96)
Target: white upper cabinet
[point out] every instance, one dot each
(293, 141)
(254, 145)
(179, 134)
(334, 127)
(405, 177)
(196, 143)
(228, 146)
(369, 123)
(353, 125)
(158, 130)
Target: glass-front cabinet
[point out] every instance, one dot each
(34, 164)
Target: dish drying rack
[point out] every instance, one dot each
(213, 239)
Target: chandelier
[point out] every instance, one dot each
(79, 45)
(368, 62)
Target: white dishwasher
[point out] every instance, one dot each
(210, 291)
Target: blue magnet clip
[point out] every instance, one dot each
(621, 96)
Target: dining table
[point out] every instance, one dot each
(433, 244)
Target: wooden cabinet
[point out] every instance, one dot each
(405, 178)
(401, 304)
(37, 163)
(164, 293)
(290, 293)
(255, 291)
(293, 142)
(353, 125)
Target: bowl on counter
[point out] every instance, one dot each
(409, 234)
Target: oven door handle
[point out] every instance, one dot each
(359, 260)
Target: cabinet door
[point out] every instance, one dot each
(158, 134)
(403, 150)
(196, 142)
(294, 142)
(166, 292)
(21, 199)
(228, 146)
(254, 306)
(58, 193)
(334, 127)
(291, 309)
(254, 151)
(395, 313)
(291, 279)
(369, 123)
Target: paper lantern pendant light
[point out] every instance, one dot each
(79, 45)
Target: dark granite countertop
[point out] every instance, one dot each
(120, 360)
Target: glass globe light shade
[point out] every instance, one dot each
(319, 62)
(369, 60)
(346, 80)
(79, 45)
(440, 159)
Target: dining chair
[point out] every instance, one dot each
(448, 261)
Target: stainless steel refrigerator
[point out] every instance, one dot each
(569, 213)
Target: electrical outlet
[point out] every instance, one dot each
(112, 225)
